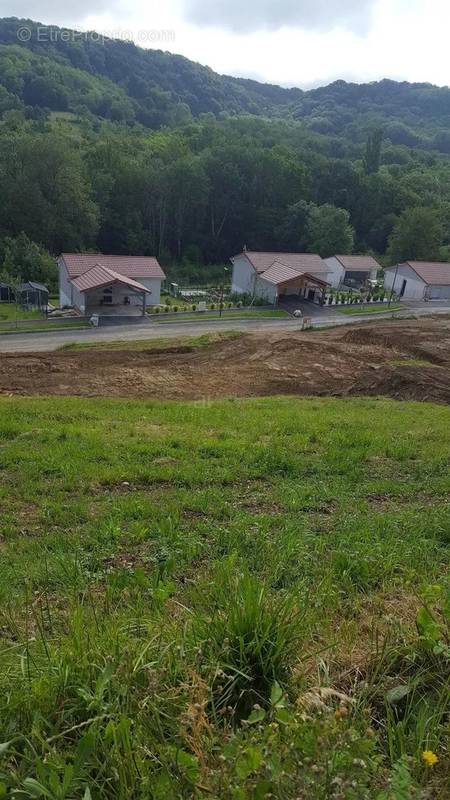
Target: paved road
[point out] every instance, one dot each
(48, 341)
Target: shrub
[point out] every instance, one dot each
(221, 305)
(194, 307)
(238, 304)
(166, 309)
(229, 305)
(249, 640)
(212, 306)
(175, 308)
(157, 309)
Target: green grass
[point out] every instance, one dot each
(244, 314)
(42, 328)
(232, 600)
(9, 312)
(155, 344)
(366, 309)
(411, 362)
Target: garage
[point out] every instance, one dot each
(419, 280)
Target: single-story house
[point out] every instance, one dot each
(6, 293)
(419, 280)
(273, 276)
(93, 283)
(352, 271)
(33, 295)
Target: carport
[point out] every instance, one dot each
(105, 292)
(286, 284)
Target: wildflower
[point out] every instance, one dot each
(430, 758)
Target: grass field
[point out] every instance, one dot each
(240, 599)
(367, 309)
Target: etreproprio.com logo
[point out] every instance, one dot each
(46, 33)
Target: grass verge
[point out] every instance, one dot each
(194, 317)
(155, 344)
(233, 599)
(52, 327)
(366, 309)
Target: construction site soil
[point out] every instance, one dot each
(405, 359)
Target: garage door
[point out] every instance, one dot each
(439, 292)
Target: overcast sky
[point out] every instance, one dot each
(292, 42)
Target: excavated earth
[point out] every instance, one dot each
(405, 359)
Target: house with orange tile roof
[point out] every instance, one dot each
(94, 283)
(352, 271)
(419, 280)
(274, 276)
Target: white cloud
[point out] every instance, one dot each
(245, 17)
(69, 13)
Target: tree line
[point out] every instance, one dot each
(195, 194)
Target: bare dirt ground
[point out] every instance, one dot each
(408, 359)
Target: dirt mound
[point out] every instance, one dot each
(401, 359)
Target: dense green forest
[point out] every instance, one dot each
(105, 145)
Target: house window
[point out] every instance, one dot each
(107, 295)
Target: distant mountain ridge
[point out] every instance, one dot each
(118, 80)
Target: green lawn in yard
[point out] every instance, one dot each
(9, 312)
(366, 309)
(244, 314)
(230, 599)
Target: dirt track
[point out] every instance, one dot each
(407, 359)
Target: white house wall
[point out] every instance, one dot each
(266, 291)
(244, 276)
(65, 286)
(415, 286)
(336, 272)
(78, 299)
(154, 287)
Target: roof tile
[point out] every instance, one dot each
(130, 266)
(431, 272)
(100, 276)
(358, 263)
(300, 262)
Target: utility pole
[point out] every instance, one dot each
(393, 285)
(225, 270)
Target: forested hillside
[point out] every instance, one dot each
(108, 146)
